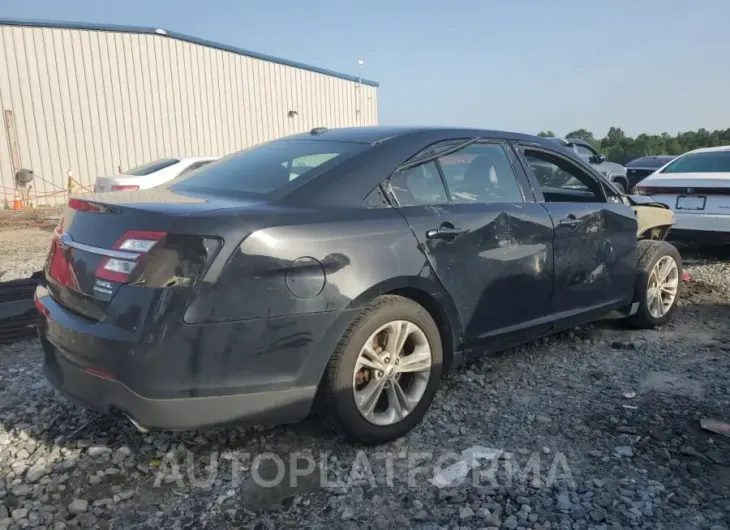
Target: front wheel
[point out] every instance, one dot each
(658, 283)
(385, 371)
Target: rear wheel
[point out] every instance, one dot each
(658, 283)
(385, 371)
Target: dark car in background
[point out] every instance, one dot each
(640, 168)
(248, 292)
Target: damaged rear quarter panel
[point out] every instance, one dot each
(349, 254)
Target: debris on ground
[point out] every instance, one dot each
(472, 457)
(716, 426)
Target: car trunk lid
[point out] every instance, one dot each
(690, 192)
(104, 241)
(117, 183)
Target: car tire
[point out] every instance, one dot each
(651, 257)
(346, 376)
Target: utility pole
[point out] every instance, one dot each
(358, 104)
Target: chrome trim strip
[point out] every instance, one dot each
(65, 240)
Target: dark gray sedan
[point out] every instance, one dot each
(337, 270)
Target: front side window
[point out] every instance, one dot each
(151, 167)
(265, 168)
(480, 173)
(419, 185)
(560, 180)
(709, 162)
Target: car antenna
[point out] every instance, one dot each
(318, 130)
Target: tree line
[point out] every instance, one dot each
(621, 148)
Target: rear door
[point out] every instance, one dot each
(482, 233)
(595, 239)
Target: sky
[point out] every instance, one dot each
(647, 66)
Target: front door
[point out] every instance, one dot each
(487, 240)
(595, 241)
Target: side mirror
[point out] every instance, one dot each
(600, 159)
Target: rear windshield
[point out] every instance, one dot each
(712, 162)
(151, 167)
(265, 168)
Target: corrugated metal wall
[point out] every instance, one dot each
(92, 101)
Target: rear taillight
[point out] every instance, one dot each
(133, 246)
(59, 267)
(84, 206)
(39, 306)
(117, 187)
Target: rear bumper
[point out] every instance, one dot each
(114, 398)
(257, 372)
(699, 237)
(700, 228)
(702, 222)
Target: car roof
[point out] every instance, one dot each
(194, 158)
(380, 133)
(655, 161)
(710, 149)
(568, 141)
(384, 150)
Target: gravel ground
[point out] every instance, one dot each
(23, 250)
(595, 428)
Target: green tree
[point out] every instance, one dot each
(546, 134)
(621, 148)
(582, 134)
(614, 136)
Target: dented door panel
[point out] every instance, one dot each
(498, 270)
(595, 258)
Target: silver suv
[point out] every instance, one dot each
(616, 173)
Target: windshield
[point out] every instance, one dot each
(151, 167)
(265, 168)
(709, 162)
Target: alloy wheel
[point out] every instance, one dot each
(392, 372)
(663, 286)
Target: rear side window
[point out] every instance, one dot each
(480, 173)
(151, 167)
(419, 185)
(265, 168)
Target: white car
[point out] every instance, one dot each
(696, 186)
(151, 174)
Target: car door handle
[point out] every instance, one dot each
(569, 221)
(444, 232)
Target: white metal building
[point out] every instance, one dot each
(96, 98)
